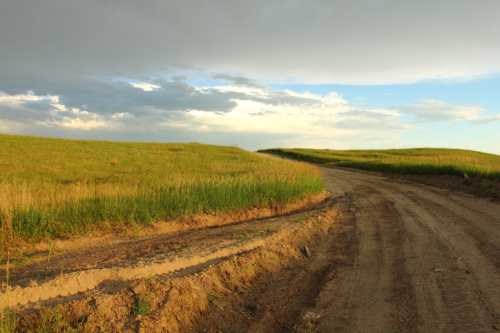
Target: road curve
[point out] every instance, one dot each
(425, 260)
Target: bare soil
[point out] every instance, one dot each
(383, 255)
(407, 258)
(23, 252)
(476, 185)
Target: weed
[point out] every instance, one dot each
(141, 306)
(7, 321)
(212, 297)
(53, 320)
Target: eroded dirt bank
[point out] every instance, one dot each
(99, 241)
(383, 256)
(175, 276)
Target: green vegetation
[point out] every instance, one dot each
(406, 161)
(52, 187)
(53, 321)
(47, 320)
(7, 321)
(141, 306)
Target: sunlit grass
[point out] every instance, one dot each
(408, 161)
(52, 187)
(7, 321)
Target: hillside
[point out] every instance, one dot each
(52, 187)
(406, 161)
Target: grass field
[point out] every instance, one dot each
(435, 161)
(52, 187)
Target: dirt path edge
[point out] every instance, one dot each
(173, 305)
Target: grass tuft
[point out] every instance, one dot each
(141, 306)
(7, 321)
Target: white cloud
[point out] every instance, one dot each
(18, 100)
(322, 122)
(487, 119)
(436, 110)
(121, 115)
(46, 110)
(247, 90)
(145, 86)
(83, 121)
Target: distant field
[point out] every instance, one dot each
(406, 161)
(54, 187)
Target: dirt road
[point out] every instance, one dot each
(402, 257)
(409, 258)
(426, 261)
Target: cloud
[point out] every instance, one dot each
(435, 110)
(76, 119)
(46, 111)
(176, 109)
(365, 41)
(225, 111)
(111, 96)
(20, 99)
(237, 80)
(489, 119)
(145, 86)
(158, 96)
(324, 121)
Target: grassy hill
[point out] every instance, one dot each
(435, 161)
(53, 187)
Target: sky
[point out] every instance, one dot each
(337, 74)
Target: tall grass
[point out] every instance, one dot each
(52, 188)
(407, 161)
(7, 321)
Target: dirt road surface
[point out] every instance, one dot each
(409, 258)
(426, 260)
(404, 257)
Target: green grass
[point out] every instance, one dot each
(141, 306)
(435, 161)
(7, 321)
(53, 321)
(51, 188)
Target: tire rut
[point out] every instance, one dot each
(378, 278)
(458, 285)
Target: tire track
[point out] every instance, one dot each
(378, 278)
(452, 264)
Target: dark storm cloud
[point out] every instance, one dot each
(237, 80)
(119, 101)
(108, 97)
(28, 114)
(334, 41)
